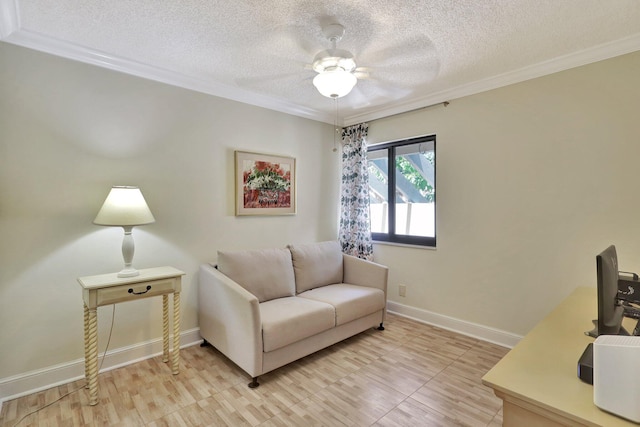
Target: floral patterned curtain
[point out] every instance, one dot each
(355, 228)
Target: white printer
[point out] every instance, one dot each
(616, 375)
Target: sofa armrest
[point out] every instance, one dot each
(229, 318)
(361, 272)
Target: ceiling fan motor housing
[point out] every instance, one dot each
(333, 32)
(334, 58)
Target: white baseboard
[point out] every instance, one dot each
(484, 333)
(52, 376)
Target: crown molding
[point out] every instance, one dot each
(9, 18)
(562, 63)
(11, 32)
(40, 42)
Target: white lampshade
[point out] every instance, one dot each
(124, 206)
(335, 83)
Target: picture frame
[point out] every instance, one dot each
(265, 184)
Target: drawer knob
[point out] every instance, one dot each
(131, 291)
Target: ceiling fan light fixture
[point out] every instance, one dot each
(335, 83)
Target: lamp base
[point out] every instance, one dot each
(127, 253)
(128, 272)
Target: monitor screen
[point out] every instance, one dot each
(610, 311)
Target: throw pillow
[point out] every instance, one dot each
(266, 273)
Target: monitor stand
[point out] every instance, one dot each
(594, 332)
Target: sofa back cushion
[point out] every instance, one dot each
(316, 264)
(266, 273)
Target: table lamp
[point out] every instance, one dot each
(125, 207)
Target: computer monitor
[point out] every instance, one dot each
(610, 310)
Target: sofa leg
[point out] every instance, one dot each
(254, 382)
(381, 327)
(205, 343)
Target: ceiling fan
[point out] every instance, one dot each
(392, 66)
(335, 67)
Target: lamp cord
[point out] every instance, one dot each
(104, 355)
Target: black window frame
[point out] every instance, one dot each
(391, 236)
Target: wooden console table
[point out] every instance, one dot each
(106, 289)
(538, 379)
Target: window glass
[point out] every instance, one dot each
(403, 172)
(378, 190)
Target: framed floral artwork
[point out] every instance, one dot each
(265, 184)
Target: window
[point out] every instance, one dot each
(402, 191)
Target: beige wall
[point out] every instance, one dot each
(533, 180)
(68, 132)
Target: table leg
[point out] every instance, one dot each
(91, 356)
(175, 356)
(86, 344)
(165, 328)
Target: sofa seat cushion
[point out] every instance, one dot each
(266, 273)
(287, 320)
(316, 264)
(350, 301)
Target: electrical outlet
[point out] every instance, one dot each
(402, 290)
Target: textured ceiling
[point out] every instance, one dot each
(415, 53)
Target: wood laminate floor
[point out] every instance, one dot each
(410, 374)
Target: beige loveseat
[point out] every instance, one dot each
(266, 308)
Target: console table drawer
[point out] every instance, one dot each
(134, 291)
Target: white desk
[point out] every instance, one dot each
(538, 381)
(106, 289)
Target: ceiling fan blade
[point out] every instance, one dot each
(385, 90)
(270, 83)
(368, 92)
(416, 57)
(404, 75)
(362, 73)
(357, 98)
(290, 41)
